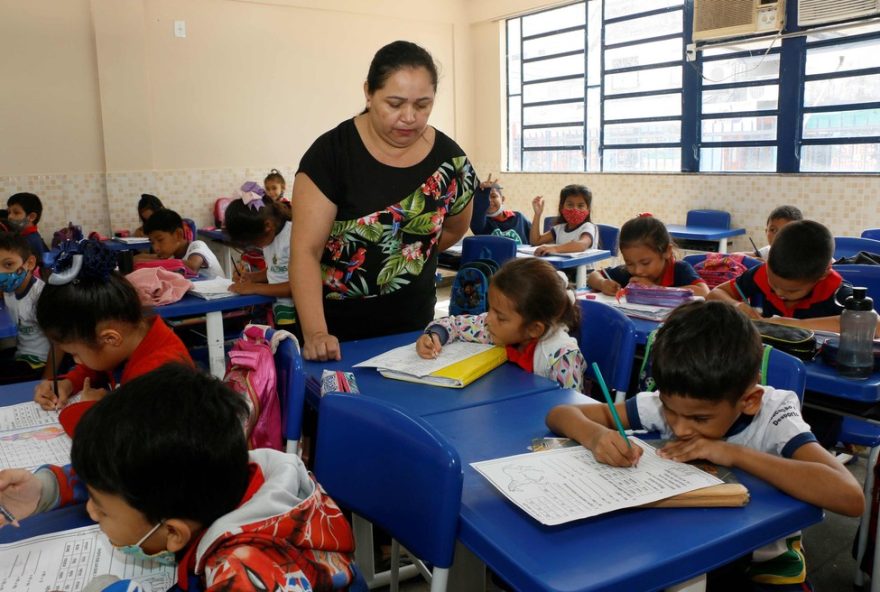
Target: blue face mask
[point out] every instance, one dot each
(164, 557)
(10, 282)
(17, 224)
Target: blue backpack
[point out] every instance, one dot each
(471, 287)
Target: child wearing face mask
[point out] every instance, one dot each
(490, 217)
(23, 214)
(21, 290)
(576, 233)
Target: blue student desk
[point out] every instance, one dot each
(221, 238)
(7, 327)
(704, 233)
(118, 245)
(505, 382)
(212, 310)
(634, 549)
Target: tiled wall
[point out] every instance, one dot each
(846, 204)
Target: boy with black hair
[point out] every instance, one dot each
(707, 358)
(797, 286)
(24, 211)
(168, 239)
(21, 290)
(779, 217)
(165, 466)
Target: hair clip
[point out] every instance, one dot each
(644, 215)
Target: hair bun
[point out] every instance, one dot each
(75, 260)
(98, 260)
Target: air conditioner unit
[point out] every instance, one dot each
(716, 19)
(819, 12)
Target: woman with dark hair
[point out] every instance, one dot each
(374, 200)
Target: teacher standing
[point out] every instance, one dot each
(374, 201)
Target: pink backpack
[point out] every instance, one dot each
(718, 268)
(220, 206)
(251, 373)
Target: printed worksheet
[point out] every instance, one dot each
(69, 559)
(212, 289)
(566, 484)
(29, 449)
(405, 359)
(26, 415)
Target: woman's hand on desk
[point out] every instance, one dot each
(19, 493)
(44, 394)
(322, 347)
(610, 448)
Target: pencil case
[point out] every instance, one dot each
(337, 381)
(657, 295)
(796, 341)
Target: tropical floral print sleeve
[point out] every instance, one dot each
(462, 328)
(380, 253)
(567, 367)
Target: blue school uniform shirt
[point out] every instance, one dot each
(680, 273)
(826, 299)
(507, 223)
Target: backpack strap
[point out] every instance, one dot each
(765, 363)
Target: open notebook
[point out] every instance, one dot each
(212, 289)
(31, 437)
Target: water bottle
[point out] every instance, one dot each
(858, 322)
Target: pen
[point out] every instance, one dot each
(754, 246)
(8, 516)
(608, 400)
(54, 369)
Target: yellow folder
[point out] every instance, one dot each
(459, 374)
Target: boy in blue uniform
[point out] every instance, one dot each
(24, 211)
(707, 358)
(797, 286)
(489, 217)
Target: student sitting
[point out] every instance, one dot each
(168, 239)
(94, 314)
(707, 358)
(274, 186)
(577, 234)
(165, 468)
(797, 285)
(21, 289)
(490, 218)
(646, 248)
(253, 220)
(778, 218)
(531, 312)
(24, 211)
(146, 207)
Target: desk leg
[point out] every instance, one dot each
(468, 572)
(216, 355)
(581, 277)
(697, 584)
(722, 245)
(226, 261)
(365, 556)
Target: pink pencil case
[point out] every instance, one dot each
(657, 295)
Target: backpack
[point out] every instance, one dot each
(220, 205)
(251, 373)
(718, 268)
(860, 258)
(70, 232)
(471, 287)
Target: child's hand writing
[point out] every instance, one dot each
(92, 394)
(610, 287)
(428, 346)
(538, 205)
(610, 448)
(19, 493)
(44, 394)
(243, 287)
(716, 451)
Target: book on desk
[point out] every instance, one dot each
(459, 364)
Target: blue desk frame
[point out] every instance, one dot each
(636, 549)
(705, 233)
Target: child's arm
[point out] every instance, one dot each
(811, 474)
(452, 328)
(728, 292)
(593, 427)
(24, 493)
(280, 290)
(536, 237)
(481, 206)
(597, 280)
(698, 288)
(577, 246)
(567, 368)
(195, 262)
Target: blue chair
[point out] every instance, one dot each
(394, 470)
(872, 233)
(784, 371)
(749, 262)
(549, 222)
(867, 276)
(864, 433)
(291, 384)
(496, 248)
(608, 236)
(709, 218)
(608, 337)
(847, 246)
(191, 224)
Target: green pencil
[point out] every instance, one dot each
(614, 415)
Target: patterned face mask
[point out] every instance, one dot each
(575, 217)
(10, 282)
(164, 557)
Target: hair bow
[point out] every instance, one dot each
(252, 195)
(644, 215)
(72, 260)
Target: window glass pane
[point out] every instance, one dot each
(554, 136)
(644, 28)
(756, 48)
(743, 69)
(840, 58)
(843, 33)
(642, 159)
(739, 129)
(842, 124)
(514, 63)
(548, 91)
(553, 67)
(564, 113)
(514, 137)
(643, 133)
(656, 106)
(553, 44)
(552, 20)
(643, 54)
(616, 8)
(739, 159)
(594, 125)
(853, 158)
(749, 98)
(842, 91)
(643, 80)
(556, 160)
(594, 42)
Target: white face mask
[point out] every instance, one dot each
(164, 557)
